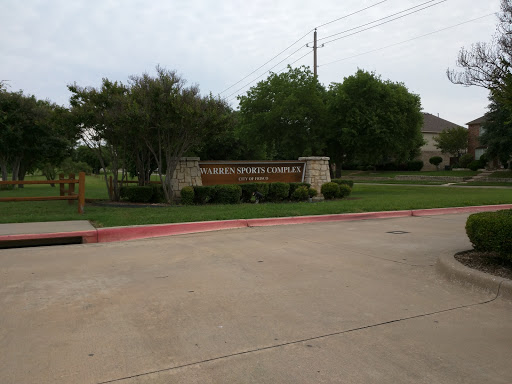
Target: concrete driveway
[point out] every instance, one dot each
(345, 302)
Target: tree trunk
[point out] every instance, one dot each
(3, 167)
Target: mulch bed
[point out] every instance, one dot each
(486, 262)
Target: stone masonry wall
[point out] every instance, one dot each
(187, 173)
(317, 172)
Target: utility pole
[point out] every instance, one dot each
(315, 48)
(314, 54)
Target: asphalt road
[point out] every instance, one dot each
(345, 302)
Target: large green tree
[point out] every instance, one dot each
(32, 133)
(497, 135)
(489, 65)
(453, 141)
(373, 121)
(283, 117)
(102, 115)
(174, 119)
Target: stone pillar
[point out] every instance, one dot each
(187, 173)
(317, 172)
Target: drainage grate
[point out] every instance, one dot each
(397, 232)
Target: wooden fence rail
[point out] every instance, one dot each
(71, 195)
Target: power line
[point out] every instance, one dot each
(257, 69)
(406, 41)
(351, 14)
(263, 74)
(374, 21)
(287, 48)
(385, 22)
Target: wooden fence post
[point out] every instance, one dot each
(81, 192)
(71, 188)
(61, 186)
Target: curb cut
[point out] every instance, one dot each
(455, 271)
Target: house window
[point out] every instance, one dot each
(481, 131)
(479, 152)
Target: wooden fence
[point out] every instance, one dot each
(71, 195)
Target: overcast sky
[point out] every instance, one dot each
(45, 45)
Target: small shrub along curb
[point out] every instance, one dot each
(278, 191)
(344, 191)
(330, 190)
(187, 196)
(491, 232)
(227, 194)
(300, 194)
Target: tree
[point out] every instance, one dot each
(497, 135)
(436, 160)
(373, 121)
(285, 113)
(32, 132)
(102, 117)
(453, 141)
(174, 119)
(489, 65)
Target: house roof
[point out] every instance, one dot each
(435, 124)
(480, 120)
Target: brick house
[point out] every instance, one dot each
(432, 126)
(475, 129)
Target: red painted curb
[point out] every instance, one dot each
(325, 218)
(447, 211)
(142, 232)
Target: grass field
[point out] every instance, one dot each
(365, 198)
(392, 174)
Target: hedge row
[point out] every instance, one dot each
(236, 193)
(143, 194)
(491, 232)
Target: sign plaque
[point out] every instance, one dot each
(239, 172)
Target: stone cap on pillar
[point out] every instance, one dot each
(314, 158)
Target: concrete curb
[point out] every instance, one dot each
(454, 271)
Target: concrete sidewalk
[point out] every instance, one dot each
(347, 302)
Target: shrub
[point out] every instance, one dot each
(249, 188)
(435, 160)
(300, 194)
(187, 195)
(465, 160)
(330, 190)
(158, 193)
(350, 183)
(137, 194)
(344, 191)
(475, 165)
(414, 165)
(312, 192)
(294, 186)
(491, 232)
(204, 194)
(278, 191)
(227, 194)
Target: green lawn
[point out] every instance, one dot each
(408, 173)
(502, 174)
(365, 198)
